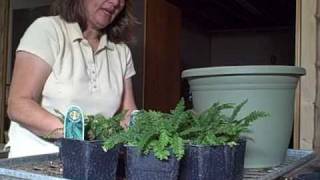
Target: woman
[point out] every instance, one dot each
(77, 57)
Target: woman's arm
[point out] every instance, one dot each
(128, 102)
(29, 77)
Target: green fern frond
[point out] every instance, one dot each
(237, 109)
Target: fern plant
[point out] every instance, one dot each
(156, 132)
(215, 127)
(165, 134)
(98, 127)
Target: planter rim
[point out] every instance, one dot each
(244, 70)
(83, 141)
(130, 145)
(207, 146)
(241, 140)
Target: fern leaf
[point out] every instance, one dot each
(237, 109)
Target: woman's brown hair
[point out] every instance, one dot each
(120, 30)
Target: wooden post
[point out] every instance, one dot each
(316, 139)
(297, 120)
(4, 31)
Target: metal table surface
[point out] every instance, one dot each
(294, 159)
(40, 167)
(311, 169)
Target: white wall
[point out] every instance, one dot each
(252, 48)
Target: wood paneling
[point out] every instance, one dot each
(4, 29)
(316, 138)
(162, 55)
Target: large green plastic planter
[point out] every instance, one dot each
(267, 88)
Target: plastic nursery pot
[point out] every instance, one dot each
(147, 167)
(83, 160)
(213, 162)
(267, 88)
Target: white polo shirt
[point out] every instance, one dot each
(91, 80)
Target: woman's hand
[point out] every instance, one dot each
(55, 134)
(128, 104)
(125, 123)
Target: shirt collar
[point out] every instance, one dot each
(75, 32)
(76, 35)
(104, 42)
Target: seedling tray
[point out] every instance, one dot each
(49, 167)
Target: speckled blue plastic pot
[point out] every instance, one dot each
(308, 176)
(84, 160)
(213, 162)
(147, 167)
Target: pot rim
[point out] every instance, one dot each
(240, 140)
(244, 70)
